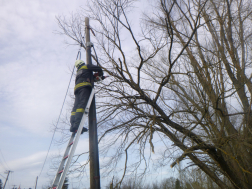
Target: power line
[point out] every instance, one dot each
(3, 165)
(2, 176)
(78, 55)
(56, 124)
(4, 159)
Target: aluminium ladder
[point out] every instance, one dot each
(61, 173)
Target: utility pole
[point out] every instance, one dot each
(8, 172)
(36, 182)
(93, 138)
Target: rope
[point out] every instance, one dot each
(78, 56)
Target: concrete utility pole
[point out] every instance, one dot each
(8, 172)
(36, 182)
(93, 138)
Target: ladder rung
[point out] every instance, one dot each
(70, 143)
(66, 157)
(61, 171)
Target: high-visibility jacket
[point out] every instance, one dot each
(84, 76)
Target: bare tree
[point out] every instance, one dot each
(183, 76)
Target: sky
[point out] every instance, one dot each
(35, 69)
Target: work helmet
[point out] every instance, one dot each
(78, 63)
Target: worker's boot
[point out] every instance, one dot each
(73, 129)
(84, 129)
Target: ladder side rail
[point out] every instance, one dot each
(57, 177)
(85, 115)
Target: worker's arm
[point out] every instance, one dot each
(95, 69)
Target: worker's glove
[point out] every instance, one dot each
(97, 77)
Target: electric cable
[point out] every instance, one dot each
(2, 176)
(78, 56)
(2, 164)
(4, 159)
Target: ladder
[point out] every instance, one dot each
(62, 171)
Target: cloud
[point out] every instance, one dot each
(35, 68)
(27, 162)
(30, 166)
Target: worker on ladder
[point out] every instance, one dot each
(84, 82)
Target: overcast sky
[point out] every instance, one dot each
(35, 68)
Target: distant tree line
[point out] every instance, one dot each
(191, 179)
